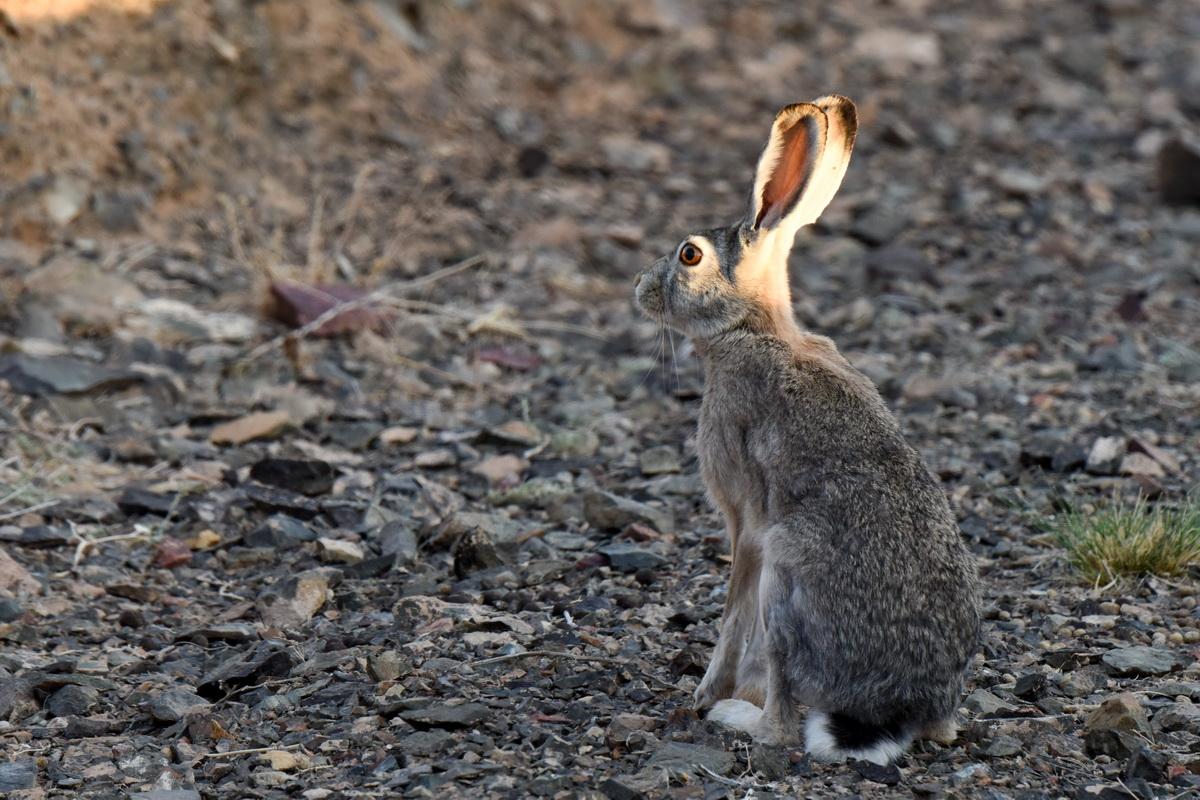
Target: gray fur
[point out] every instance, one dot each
(852, 591)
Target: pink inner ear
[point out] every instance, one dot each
(791, 172)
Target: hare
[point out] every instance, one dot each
(851, 589)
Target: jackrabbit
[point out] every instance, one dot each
(852, 591)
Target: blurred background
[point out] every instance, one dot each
(1013, 258)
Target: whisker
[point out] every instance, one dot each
(674, 361)
(657, 356)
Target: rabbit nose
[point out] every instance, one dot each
(638, 279)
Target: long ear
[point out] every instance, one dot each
(803, 163)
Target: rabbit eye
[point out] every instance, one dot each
(690, 255)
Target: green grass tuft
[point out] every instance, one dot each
(1132, 539)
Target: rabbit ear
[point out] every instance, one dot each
(803, 163)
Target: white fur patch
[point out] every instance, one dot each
(819, 742)
(737, 714)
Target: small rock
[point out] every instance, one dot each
(10, 610)
(659, 461)
(1021, 183)
(501, 470)
(631, 558)
(1141, 464)
(1105, 456)
(680, 757)
(969, 774)
(888, 775)
(280, 532)
(286, 760)
(1142, 660)
(622, 788)
(62, 375)
(1178, 717)
(399, 539)
(773, 763)
(294, 600)
(72, 700)
(607, 511)
(173, 705)
(264, 660)
(269, 778)
(339, 551)
(1179, 172)
(387, 666)
(898, 47)
(18, 775)
(259, 425)
(473, 551)
(623, 152)
(398, 435)
(1147, 765)
(426, 743)
(446, 716)
(1119, 712)
(1003, 746)
(1030, 686)
(14, 578)
(984, 702)
(308, 477)
(625, 725)
(1116, 728)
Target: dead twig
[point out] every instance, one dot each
(370, 298)
(248, 751)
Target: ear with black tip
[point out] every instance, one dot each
(803, 163)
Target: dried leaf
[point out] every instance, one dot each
(298, 305)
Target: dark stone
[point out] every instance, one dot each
(1140, 660)
(280, 532)
(61, 375)
(131, 618)
(72, 700)
(135, 501)
(371, 567)
(772, 763)
(37, 537)
(353, 435)
(473, 551)
(1179, 172)
(280, 500)
(398, 537)
(18, 775)
(10, 610)
(303, 476)
(450, 717)
(89, 727)
(1117, 744)
(531, 161)
(614, 789)
(1147, 765)
(1030, 686)
(689, 661)
(264, 660)
(426, 743)
(631, 558)
(172, 705)
(887, 775)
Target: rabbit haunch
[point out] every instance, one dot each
(851, 591)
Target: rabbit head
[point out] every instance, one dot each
(721, 278)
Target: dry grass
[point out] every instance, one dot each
(1132, 539)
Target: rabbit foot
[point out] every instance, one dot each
(739, 715)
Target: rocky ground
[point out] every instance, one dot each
(457, 546)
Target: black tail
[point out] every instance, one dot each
(838, 736)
